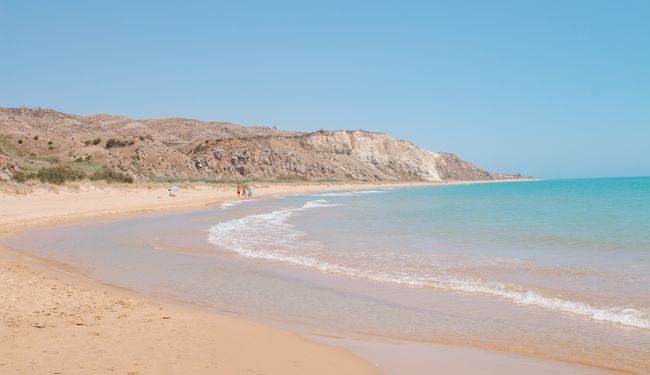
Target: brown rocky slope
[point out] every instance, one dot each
(34, 138)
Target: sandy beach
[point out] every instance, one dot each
(55, 320)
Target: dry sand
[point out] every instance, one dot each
(54, 321)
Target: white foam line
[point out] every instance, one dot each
(348, 193)
(228, 204)
(624, 316)
(316, 204)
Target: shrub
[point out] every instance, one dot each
(97, 141)
(36, 138)
(113, 142)
(200, 147)
(59, 174)
(50, 143)
(20, 141)
(87, 142)
(21, 176)
(111, 176)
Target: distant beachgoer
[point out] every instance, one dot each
(250, 192)
(238, 190)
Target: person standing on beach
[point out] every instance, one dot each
(238, 191)
(250, 192)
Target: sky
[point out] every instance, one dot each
(553, 89)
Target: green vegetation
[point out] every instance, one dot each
(200, 147)
(171, 179)
(50, 169)
(59, 174)
(21, 176)
(86, 162)
(291, 178)
(111, 176)
(113, 142)
(329, 180)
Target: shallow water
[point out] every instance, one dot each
(559, 269)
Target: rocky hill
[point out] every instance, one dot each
(144, 149)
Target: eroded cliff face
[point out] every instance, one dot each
(340, 155)
(32, 138)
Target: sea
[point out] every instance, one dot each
(558, 269)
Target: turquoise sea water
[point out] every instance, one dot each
(575, 246)
(554, 268)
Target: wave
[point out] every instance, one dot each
(269, 236)
(317, 204)
(349, 193)
(266, 235)
(620, 315)
(228, 204)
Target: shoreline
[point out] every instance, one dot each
(202, 196)
(50, 268)
(275, 350)
(156, 201)
(35, 317)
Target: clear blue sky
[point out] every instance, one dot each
(547, 88)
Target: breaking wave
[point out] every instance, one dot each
(349, 193)
(229, 204)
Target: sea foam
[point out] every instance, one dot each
(230, 204)
(349, 193)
